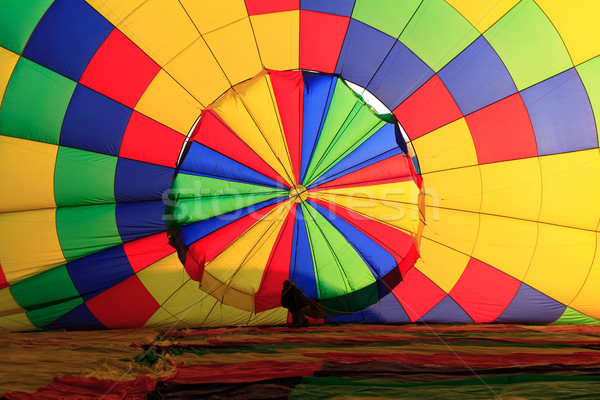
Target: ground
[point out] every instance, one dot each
(319, 362)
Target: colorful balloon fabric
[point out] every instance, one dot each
(135, 135)
(315, 190)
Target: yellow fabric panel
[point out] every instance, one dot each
(482, 13)
(441, 264)
(168, 103)
(278, 38)
(115, 10)
(27, 188)
(235, 49)
(561, 262)
(507, 244)
(164, 277)
(8, 305)
(161, 28)
(588, 298)
(251, 113)
(17, 322)
(577, 24)
(8, 60)
(186, 305)
(209, 15)
(28, 243)
(235, 274)
(570, 193)
(450, 146)
(198, 72)
(453, 228)
(457, 188)
(512, 188)
(395, 204)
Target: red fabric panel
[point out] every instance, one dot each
(393, 169)
(484, 291)
(417, 294)
(120, 70)
(396, 242)
(321, 39)
(427, 109)
(149, 141)
(77, 388)
(289, 94)
(502, 131)
(472, 360)
(278, 267)
(125, 305)
(256, 7)
(3, 282)
(244, 372)
(212, 132)
(204, 250)
(146, 251)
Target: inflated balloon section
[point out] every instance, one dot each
(170, 163)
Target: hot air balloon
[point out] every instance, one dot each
(170, 163)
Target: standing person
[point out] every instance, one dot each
(293, 298)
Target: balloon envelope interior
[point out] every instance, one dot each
(112, 216)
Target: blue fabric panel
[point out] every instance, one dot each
(337, 7)
(207, 162)
(302, 270)
(197, 230)
(400, 75)
(67, 37)
(381, 145)
(100, 271)
(446, 311)
(363, 51)
(376, 257)
(94, 122)
(561, 114)
(386, 310)
(78, 318)
(318, 90)
(531, 307)
(477, 77)
(140, 181)
(140, 219)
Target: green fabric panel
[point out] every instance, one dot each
(364, 126)
(83, 177)
(35, 103)
(589, 72)
(528, 44)
(44, 316)
(438, 33)
(193, 210)
(571, 317)
(388, 16)
(84, 230)
(189, 186)
(352, 302)
(339, 269)
(195, 198)
(343, 108)
(49, 287)
(18, 19)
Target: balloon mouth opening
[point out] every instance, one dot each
(239, 168)
(298, 194)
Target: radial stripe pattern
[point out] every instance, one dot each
(103, 197)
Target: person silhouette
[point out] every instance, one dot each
(293, 298)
